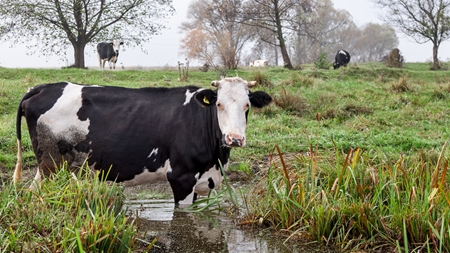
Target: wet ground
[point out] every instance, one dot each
(178, 230)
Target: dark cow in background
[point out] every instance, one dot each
(108, 52)
(342, 58)
(182, 135)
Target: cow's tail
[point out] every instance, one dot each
(18, 171)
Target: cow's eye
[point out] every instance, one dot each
(219, 105)
(246, 106)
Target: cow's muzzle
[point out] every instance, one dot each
(234, 140)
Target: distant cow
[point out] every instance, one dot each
(259, 63)
(183, 135)
(108, 52)
(342, 58)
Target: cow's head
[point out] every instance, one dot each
(232, 100)
(116, 45)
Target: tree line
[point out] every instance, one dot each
(226, 33)
(233, 32)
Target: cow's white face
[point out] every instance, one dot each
(116, 45)
(232, 105)
(232, 101)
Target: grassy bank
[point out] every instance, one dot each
(364, 164)
(350, 203)
(70, 213)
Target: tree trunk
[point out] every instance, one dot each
(285, 55)
(283, 49)
(436, 65)
(78, 49)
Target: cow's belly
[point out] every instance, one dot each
(148, 177)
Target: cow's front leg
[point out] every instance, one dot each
(183, 188)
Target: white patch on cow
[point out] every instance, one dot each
(147, 177)
(189, 96)
(154, 152)
(342, 52)
(63, 115)
(202, 185)
(232, 104)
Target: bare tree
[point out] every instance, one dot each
(219, 21)
(198, 44)
(50, 26)
(328, 30)
(423, 20)
(331, 30)
(280, 17)
(374, 42)
(266, 49)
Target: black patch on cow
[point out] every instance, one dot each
(64, 147)
(211, 183)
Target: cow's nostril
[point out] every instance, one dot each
(235, 140)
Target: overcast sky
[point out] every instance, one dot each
(163, 49)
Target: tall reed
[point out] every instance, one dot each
(348, 202)
(68, 213)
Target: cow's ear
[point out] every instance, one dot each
(259, 99)
(206, 97)
(111, 44)
(215, 83)
(251, 84)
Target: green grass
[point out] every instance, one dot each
(361, 147)
(68, 213)
(350, 203)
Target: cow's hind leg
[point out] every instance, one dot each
(183, 188)
(37, 180)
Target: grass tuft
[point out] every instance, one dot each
(291, 102)
(261, 78)
(401, 85)
(68, 213)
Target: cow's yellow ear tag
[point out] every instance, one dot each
(205, 100)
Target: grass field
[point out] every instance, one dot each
(354, 157)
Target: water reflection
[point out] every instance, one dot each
(181, 231)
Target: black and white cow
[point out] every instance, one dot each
(182, 135)
(108, 52)
(342, 58)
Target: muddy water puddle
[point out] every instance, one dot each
(182, 231)
(178, 230)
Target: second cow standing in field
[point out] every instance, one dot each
(137, 136)
(342, 58)
(108, 52)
